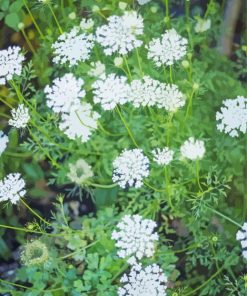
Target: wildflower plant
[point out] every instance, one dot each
(123, 151)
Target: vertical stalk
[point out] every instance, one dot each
(171, 76)
(55, 18)
(127, 66)
(28, 41)
(33, 20)
(198, 174)
(167, 17)
(139, 62)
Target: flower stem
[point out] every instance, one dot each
(154, 188)
(30, 231)
(171, 75)
(102, 185)
(34, 213)
(224, 216)
(168, 191)
(81, 249)
(139, 62)
(189, 107)
(28, 41)
(126, 126)
(55, 18)
(33, 20)
(127, 66)
(198, 175)
(167, 18)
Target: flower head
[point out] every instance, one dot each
(80, 172)
(110, 91)
(232, 118)
(10, 63)
(242, 237)
(12, 188)
(130, 168)
(120, 34)
(86, 24)
(34, 253)
(150, 92)
(73, 47)
(97, 69)
(143, 281)
(168, 49)
(163, 156)
(142, 2)
(193, 149)
(80, 122)
(3, 142)
(64, 93)
(202, 25)
(20, 117)
(135, 237)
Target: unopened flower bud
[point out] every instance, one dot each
(185, 64)
(21, 26)
(118, 61)
(196, 86)
(154, 9)
(95, 8)
(122, 5)
(72, 15)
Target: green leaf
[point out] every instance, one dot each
(1, 15)
(12, 20)
(16, 6)
(4, 5)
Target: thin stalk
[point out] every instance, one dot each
(168, 192)
(55, 18)
(214, 253)
(34, 213)
(30, 231)
(139, 62)
(78, 251)
(14, 154)
(5, 115)
(154, 188)
(189, 107)
(126, 126)
(121, 270)
(16, 285)
(171, 74)
(33, 20)
(127, 66)
(167, 18)
(6, 103)
(206, 282)
(224, 216)
(194, 246)
(102, 185)
(198, 175)
(28, 42)
(169, 126)
(107, 132)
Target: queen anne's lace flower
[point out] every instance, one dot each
(233, 116)
(242, 237)
(193, 149)
(135, 237)
(148, 281)
(64, 93)
(110, 91)
(130, 168)
(150, 92)
(86, 24)
(73, 47)
(80, 122)
(119, 35)
(10, 63)
(12, 188)
(3, 142)
(80, 172)
(142, 2)
(163, 156)
(168, 49)
(20, 117)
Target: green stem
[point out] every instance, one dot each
(28, 42)
(171, 75)
(55, 18)
(169, 126)
(102, 185)
(107, 132)
(194, 246)
(81, 249)
(126, 126)
(189, 107)
(206, 282)
(198, 175)
(34, 213)
(139, 62)
(127, 66)
(30, 231)
(13, 154)
(154, 188)
(167, 18)
(6, 103)
(224, 216)
(33, 20)
(168, 191)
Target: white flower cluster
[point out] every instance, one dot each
(130, 168)
(20, 117)
(163, 156)
(168, 49)
(80, 122)
(193, 149)
(10, 63)
(110, 91)
(148, 281)
(135, 237)
(64, 93)
(73, 47)
(3, 142)
(86, 24)
(142, 2)
(119, 35)
(202, 25)
(242, 237)
(80, 172)
(233, 116)
(12, 188)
